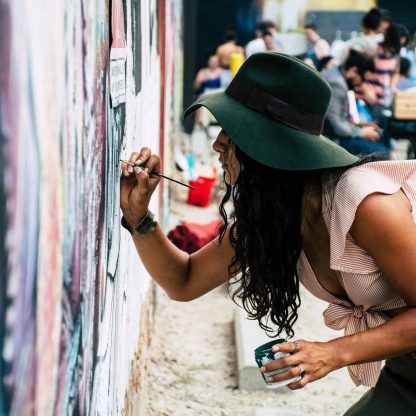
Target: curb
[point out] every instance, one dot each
(248, 336)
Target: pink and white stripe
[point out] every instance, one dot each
(369, 291)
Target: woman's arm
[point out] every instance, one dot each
(322, 48)
(199, 79)
(383, 226)
(184, 277)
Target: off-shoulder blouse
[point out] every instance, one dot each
(368, 290)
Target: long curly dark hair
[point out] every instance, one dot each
(266, 236)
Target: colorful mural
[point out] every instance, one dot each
(74, 299)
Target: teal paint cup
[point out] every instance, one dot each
(264, 354)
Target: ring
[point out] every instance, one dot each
(301, 371)
(295, 346)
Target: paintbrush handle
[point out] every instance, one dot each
(159, 174)
(173, 180)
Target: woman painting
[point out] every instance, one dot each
(305, 211)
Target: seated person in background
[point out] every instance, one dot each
(317, 47)
(224, 53)
(373, 26)
(257, 45)
(269, 42)
(386, 64)
(404, 39)
(208, 78)
(225, 50)
(354, 138)
(271, 27)
(405, 83)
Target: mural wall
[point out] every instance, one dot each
(75, 302)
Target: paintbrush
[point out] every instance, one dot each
(158, 174)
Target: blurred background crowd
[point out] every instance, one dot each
(372, 73)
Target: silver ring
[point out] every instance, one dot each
(301, 371)
(295, 346)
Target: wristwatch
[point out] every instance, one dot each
(146, 226)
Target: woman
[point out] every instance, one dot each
(386, 68)
(209, 78)
(207, 81)
(317, 46)
(305, 210)
(373, 24)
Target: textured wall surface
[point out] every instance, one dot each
(75, 303)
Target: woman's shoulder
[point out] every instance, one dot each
(383, 174)
(356, 183)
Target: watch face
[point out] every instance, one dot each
(147, 225)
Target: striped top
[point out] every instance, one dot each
(369, 291)
(386, 65)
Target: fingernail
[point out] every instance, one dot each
(137, 169)
(130, 169)
(139, 162)
(146, 170)
(275, 348)
(269, 380)
(262, 369)
(126, 173)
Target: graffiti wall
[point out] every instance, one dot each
(82, 84)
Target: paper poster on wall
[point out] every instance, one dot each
(117, 55)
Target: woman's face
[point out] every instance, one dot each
(268, 42)
(213, 62)
(227, 158)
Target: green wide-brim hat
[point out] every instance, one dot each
(274, 110)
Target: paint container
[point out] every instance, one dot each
(201, 195)
(264, 354)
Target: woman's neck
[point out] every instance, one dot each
(312, 198)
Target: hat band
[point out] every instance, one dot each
(275, 108)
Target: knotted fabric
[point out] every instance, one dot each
(355, 319)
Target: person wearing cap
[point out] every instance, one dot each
(305, 210)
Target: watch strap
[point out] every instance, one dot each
(146, 226)
(125, 225)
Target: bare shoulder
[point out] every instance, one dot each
(384, 228)
(380, 214)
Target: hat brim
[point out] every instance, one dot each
(281, 146)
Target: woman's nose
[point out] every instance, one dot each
(215, 146)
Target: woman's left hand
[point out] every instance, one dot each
(311, 361)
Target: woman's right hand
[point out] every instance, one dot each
(137, 185)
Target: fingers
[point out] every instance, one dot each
(290, 347)
(153, 163)
(126, 186)
(135, 174)
(141, 158)
(293, 372)
(143, 182)
(279, 364)
(144, 158)
(301, 383)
